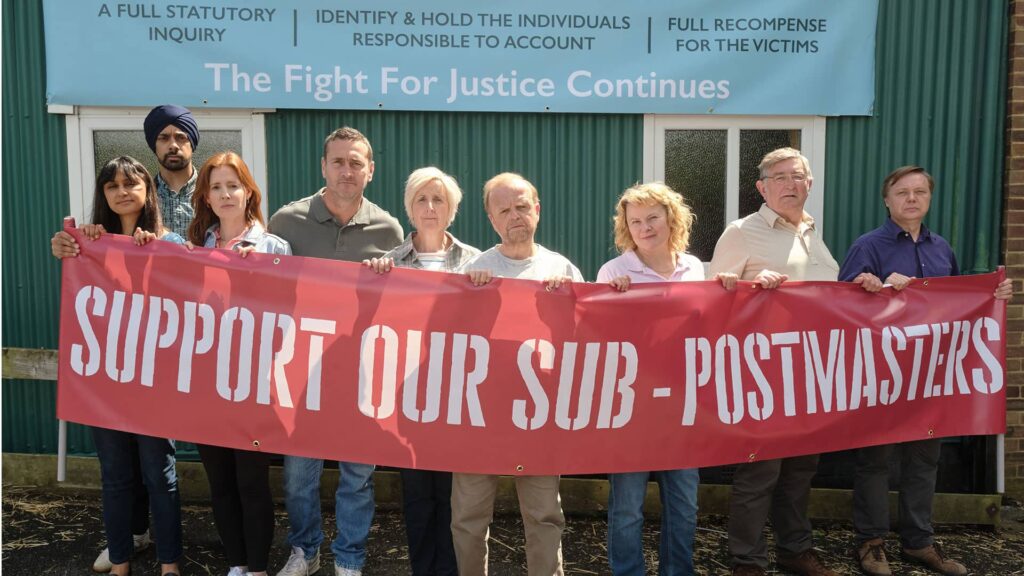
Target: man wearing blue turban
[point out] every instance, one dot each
(172, 134)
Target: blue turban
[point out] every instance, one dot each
(163, 116)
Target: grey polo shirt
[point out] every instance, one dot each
(312, 230)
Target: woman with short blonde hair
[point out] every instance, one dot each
(431, 201)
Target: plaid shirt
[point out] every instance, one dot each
(457, 255)
(176, 207)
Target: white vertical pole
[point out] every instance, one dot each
(62, 450)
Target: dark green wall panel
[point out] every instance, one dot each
(34, 199)
(35, 183)
(940, 103)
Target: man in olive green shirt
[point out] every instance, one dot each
(337, 222)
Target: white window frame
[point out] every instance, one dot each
(812, 144)
(83, 121)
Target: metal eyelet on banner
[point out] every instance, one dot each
(277, 260)
(255, 443)
(519, 468)
(925, 282)
(931, 432)
(751, 457)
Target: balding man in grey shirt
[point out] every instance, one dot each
(513, 207)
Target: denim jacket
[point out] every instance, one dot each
(257, 236)
(458, 254)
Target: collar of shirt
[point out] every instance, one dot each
(188, 187)
(771, 218)
(893, 230)
(406, 251)
(248, 237)
(318, 208)
(634, 264)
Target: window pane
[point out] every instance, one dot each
(754, 144)
(108, 144)
(695, 162)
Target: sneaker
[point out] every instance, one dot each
(805, 563)
(934, 558)
(298, 565)
(870, 556)
(238, 571)
(102, 563)
(748, 570)
(339, 571)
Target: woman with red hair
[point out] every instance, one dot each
(227, 216)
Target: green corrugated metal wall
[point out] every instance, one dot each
(35, 198)
(940, 102)
(940, 87)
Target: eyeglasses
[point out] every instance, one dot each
(797, 178)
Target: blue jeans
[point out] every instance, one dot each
(678, 521)
(353, 508)
(116, 451)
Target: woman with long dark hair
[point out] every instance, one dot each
(125, 202)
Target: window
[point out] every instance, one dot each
(712, 161)
(96, 135)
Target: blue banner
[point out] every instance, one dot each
(804, 57)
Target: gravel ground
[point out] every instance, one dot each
(60, 533)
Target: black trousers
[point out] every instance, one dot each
(427, 502)
(140, 496)
(242, 504)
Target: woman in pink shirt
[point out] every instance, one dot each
(652, 231)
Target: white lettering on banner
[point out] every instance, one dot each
(99, 299)
(131, 339)
(164, 340)
(503, 85)
(546, 361)
(323, 86)
(888, 393)
(189, 345)
(468, 382)
(842, 369)
(225, 355)
(316, 354)
(763, 410)
(581, 85)
(994, 385)
(693, 378)
(410, 85)
(181, 319)
(826, 377)
(623, 385)
(462, 385)
(612, 384)
(286, 324)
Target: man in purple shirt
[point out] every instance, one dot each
(901, 251)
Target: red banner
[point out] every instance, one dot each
(421, 369)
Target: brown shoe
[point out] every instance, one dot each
(871, 558)
(747, 570)
(805, 563)
(934, 558)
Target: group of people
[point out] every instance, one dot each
(448, 515)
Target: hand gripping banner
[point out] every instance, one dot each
(420, 369)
